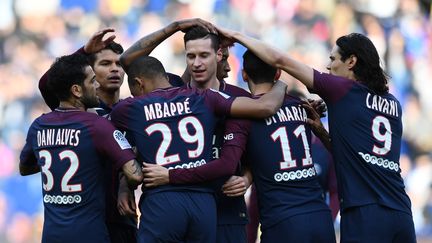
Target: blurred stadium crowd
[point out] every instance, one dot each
(33, 33)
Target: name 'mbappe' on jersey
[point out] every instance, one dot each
(166, 109)
(172, 127)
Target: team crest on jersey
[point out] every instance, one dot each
(221, 93)
(121, 140)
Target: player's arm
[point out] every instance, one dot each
(28, 169)
(133, 173)
(147, 44)
(125, 197)
(236, 131)
(271, 56)
(265, 106)
(94, 44)
(28, 163)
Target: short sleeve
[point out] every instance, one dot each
(219, 102)
(27, 156)
(331, 88)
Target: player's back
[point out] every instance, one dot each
(65, 145)
(284, 175)
(366, 131)
(172, 127)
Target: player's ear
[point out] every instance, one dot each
(138, 81)
(352, 60)
(76, 90)
(219, 55)
(278, 74)
(245, 76)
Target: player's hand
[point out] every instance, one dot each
(126, 202)
(319, 106)
(226, 37)
(314, 119)
(96, 42)
(155, 175)
(235, 186)
(186, 24)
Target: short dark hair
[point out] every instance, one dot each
(199, 32)
(258, 70)
(65, 72)
(113, 46)
(367, 69)
(146, 67)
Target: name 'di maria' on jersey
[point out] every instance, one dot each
(288, 113)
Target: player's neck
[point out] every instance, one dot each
(75, 104)
(161, 85)
(109, 98)
(211, 84)
(262, 88)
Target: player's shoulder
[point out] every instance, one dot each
(234, 90)
(125, 103)
(175, 80)
(293, 99)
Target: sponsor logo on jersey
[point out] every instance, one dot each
(383, 163)
(62, 199)
(295, 175)
(189, 165)
(229, 137)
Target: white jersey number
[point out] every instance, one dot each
(385, 137)
(197, 137)
(282, 135)
(74, 164)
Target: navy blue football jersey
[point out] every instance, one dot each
(278, 149)
(230, 210)
(366, 131)
(173, 127)
(72, 148)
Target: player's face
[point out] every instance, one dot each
(223, 67)
(89, 98)
(108, 70)
(201, 60)
(336, 66)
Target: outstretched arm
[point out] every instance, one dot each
(265, 106)
(147, 44)
(270, 55)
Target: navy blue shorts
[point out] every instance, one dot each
(376, 223)
(177, 217)
(314, 227)
(231, 233)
